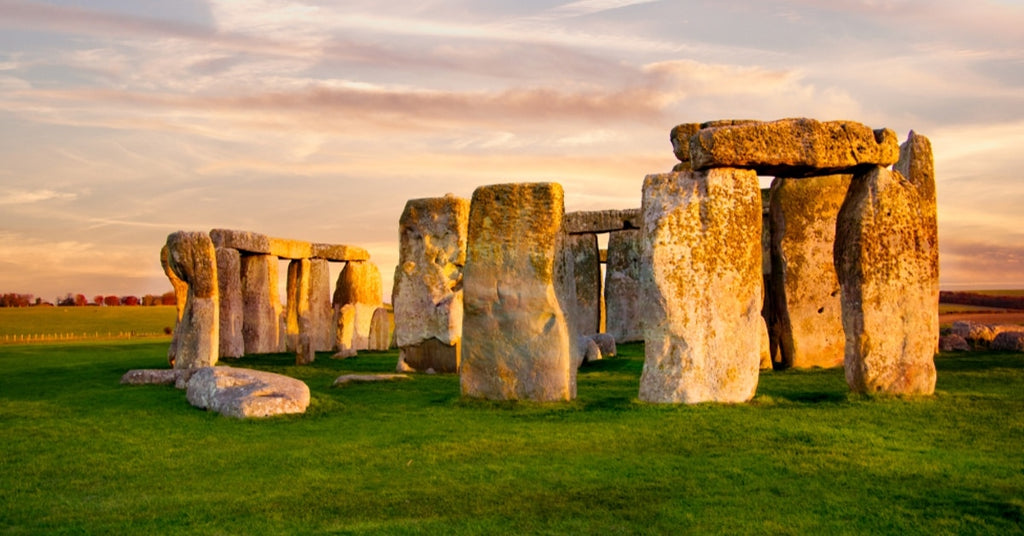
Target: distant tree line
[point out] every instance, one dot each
(985, 300)
(13, 299)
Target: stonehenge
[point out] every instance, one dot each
(232, 306)
(835, 264)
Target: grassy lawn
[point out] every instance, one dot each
(88, 320)
(82, 454)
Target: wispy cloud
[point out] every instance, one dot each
(25, 197)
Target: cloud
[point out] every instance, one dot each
(26, 197)
(589, 7)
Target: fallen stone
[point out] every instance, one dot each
(953, 343)
(601, 221)
(622, 292)
(427, 292)
(587, 351)
(358, 378)
(804, 285)
(974, 331)
(793, 147)
(515, 340)
(884, 259)
(702, 282)
(151, 376)
(244, 393)
(1008, 341)
(192, 258)
(605, 342)
(229, 281)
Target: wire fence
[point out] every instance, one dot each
(68, 337)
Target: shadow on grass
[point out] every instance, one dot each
(980, 360)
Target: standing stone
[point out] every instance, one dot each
(345, 332)
(262, 304)
(622, 292)
(884, 257)
(427, 293)
(515, 340)
(180, 297)
(701, 278)
(229, 280)
(380, 331)
(192, 258)
(321, 313)
(586, 311)
(297, 304)
(359, 285)
(917, 165)
(804, 285)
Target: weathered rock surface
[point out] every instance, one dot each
(191, 256)
(601, 221)
(701, 278)
(680, 137)
(622, 293)
(805, 289)
(793, 147)
(229, 281)
(585, 308)
(359, 378)
(889, 280)
(259, 244)
(359, 285)
(380, 331)
(586, 351)
(953, 343)
(427, 293)
(244, 393)
(261, 302)
(1009, 341)
(515, 340)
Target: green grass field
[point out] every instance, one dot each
(84, 455)
(16, 321)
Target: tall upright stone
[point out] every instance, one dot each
(380, 331)
(885, 254)
(586, 259)
(917, 165)
(191, 256)
(261, 302)
(359, 285)
(515, 340)
(622, 293)
(229, 281)
(702, 281)
(321, 313)
(804, 285)
(180, 297)
(296, 302)
(427, 292)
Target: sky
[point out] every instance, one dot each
(122, 121)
